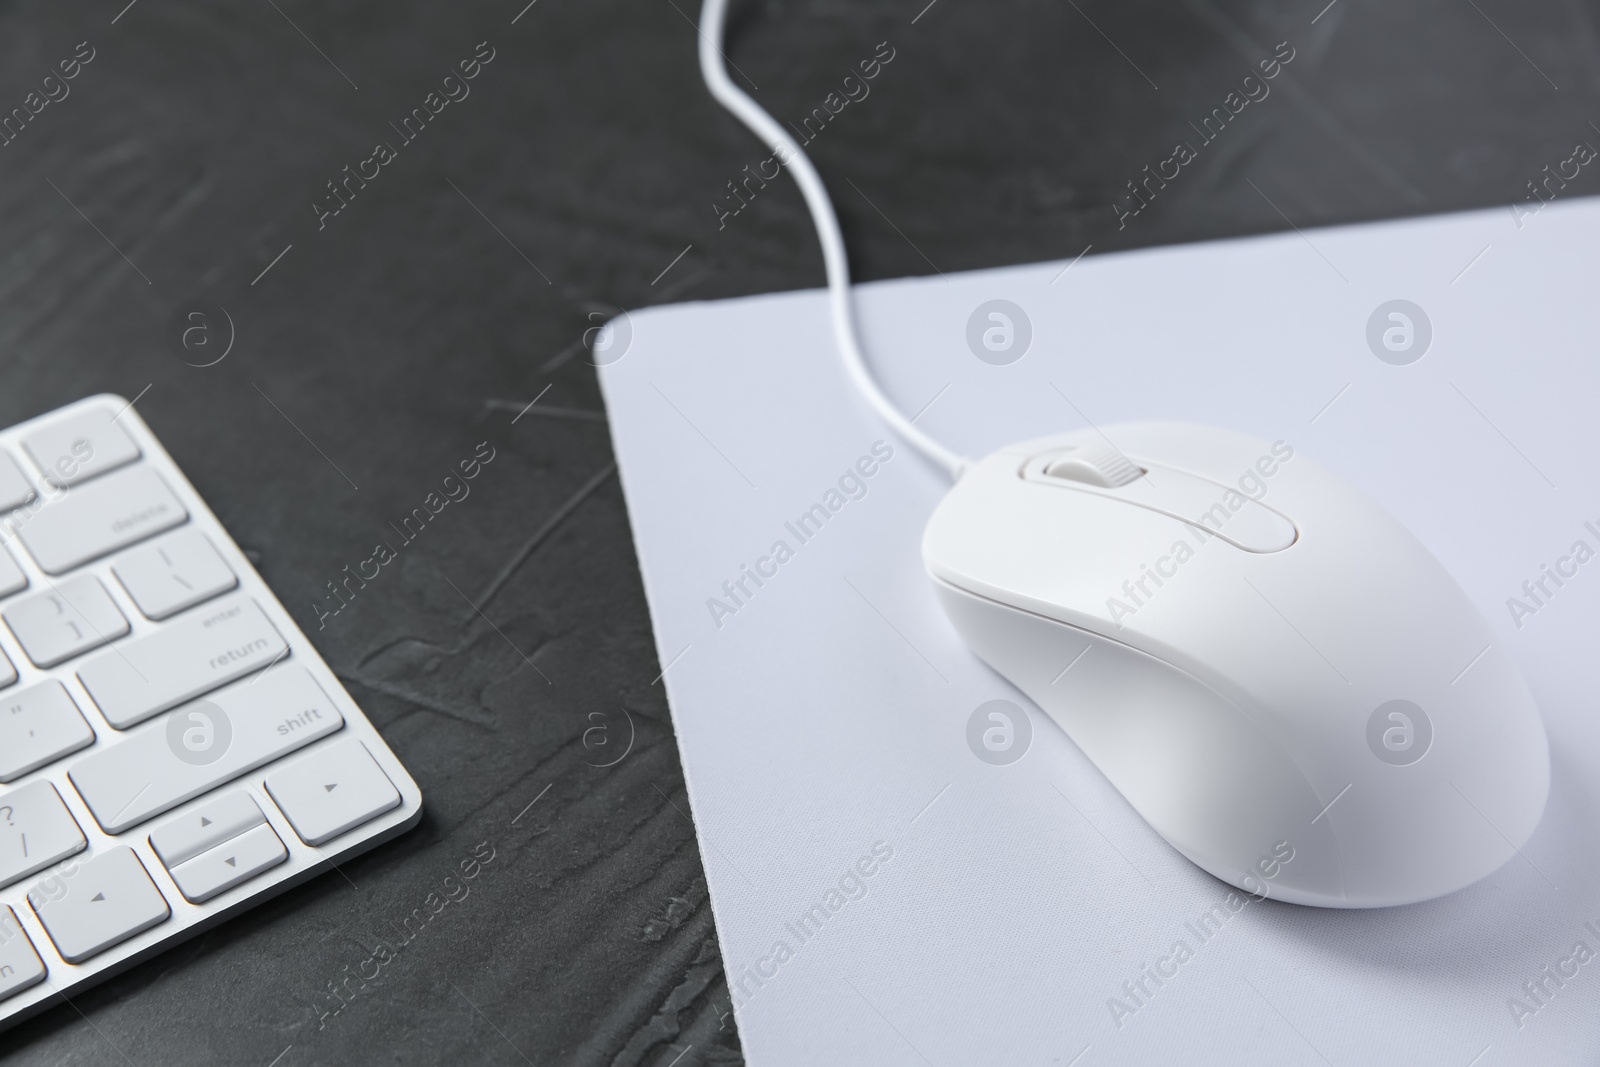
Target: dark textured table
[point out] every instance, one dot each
(390, 308)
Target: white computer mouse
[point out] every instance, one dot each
(1277, 675)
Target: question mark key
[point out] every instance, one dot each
(36, 831)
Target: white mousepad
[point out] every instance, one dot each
(886, 895)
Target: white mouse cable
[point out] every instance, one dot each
(713, 17)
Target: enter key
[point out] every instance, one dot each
(228, 639)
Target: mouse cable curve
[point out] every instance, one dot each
(713, 18)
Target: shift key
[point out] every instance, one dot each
(203, 745)
(185, 659)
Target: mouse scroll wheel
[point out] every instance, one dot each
(1095, 465)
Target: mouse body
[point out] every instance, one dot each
(1279, 677)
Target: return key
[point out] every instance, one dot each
(187, 659)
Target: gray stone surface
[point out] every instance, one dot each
(456, 286)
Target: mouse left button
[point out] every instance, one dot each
(1214, 509)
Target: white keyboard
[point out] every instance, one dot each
(172, 748)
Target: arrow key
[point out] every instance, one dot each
(331, 791)
(228, 864)
(91, 906)
(213, 821)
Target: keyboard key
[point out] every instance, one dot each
(331, 791)
(182, 661)
(36, 830)
(176, 572)
(12, 580)
(149, 685)
(103, 516)
(107, 900)
(219, 819)
(250, 724)
(20, 965)
(15, 490)
(228, 864)
(68, 618)
(39, 725)
(78, 447)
